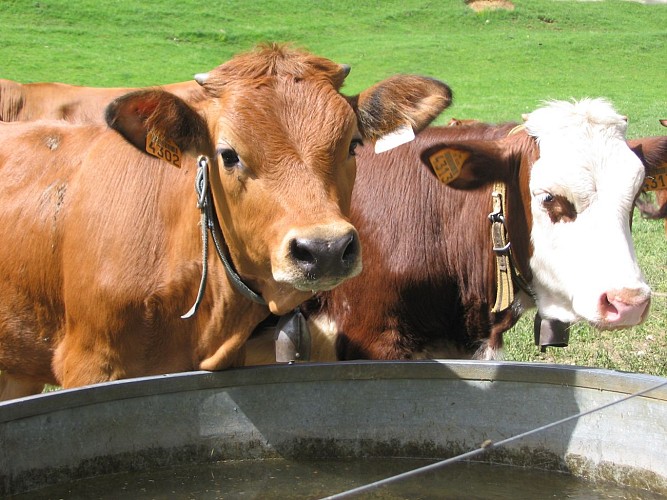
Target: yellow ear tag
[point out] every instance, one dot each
(447, 163)
(656, 179)
(164, 149)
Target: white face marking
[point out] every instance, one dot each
(582, 191)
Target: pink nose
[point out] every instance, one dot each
(627, 307)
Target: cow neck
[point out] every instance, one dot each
(508, 273)
(209, 222)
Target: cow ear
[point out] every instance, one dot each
(652, 151)
(155, 116)
(467, 165)
(399, 102)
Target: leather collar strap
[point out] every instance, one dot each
(507, 272)
(501, 248)
(209, 222)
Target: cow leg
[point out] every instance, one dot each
(77, 361)
(260, 348)
(12, 387)
(491, 348)
(238, 325)
(229, 354)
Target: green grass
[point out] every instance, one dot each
(500, 65)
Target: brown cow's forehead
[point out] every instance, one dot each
(276, 102)
(304, 120)
(274, 62)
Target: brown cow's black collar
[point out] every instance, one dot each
(210, 223)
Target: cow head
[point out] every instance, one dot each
(281, 138)
(652, 151)
(577, 180)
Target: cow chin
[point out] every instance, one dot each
(322, 285)
(297, 277)
(283, 299)
(292, 287)
(557, 310)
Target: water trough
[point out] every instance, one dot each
(351, 410)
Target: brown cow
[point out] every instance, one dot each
(656, 181)
(430, 279)
(60, 101)
(103, 247)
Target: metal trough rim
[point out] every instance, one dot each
(420, 408)
(623, 383)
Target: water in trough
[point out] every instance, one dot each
(284, 479)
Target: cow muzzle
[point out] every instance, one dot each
(319, 258)
(623, 308)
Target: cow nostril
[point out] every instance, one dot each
(351, 249)
(607, 307)
(302, 252)
(319, 258)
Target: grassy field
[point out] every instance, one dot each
(500, 64)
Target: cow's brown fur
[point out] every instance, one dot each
(105, 250)
(428, 281)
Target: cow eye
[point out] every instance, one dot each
(229, 158)
(558, 208)
(353, 146)
(547, 198)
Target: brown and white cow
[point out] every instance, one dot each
(103, 245)
(429, 284)
(657, 182)
(77, 104)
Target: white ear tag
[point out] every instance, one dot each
(394, 139)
